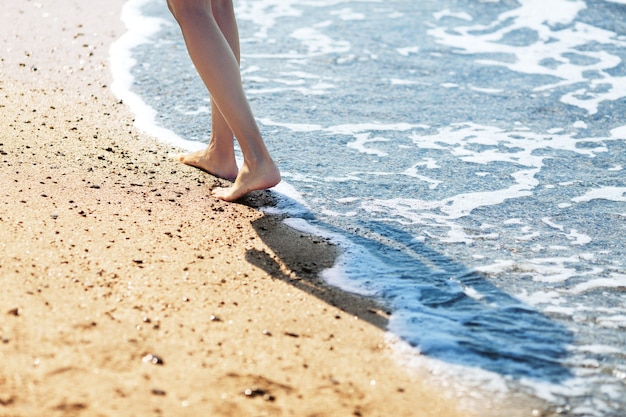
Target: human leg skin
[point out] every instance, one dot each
(218, 158)
(218, 67)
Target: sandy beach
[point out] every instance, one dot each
(128, 290)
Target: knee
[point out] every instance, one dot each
(222, 7)
(180, 8)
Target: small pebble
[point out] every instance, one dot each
(15, 311)
(153, 359)
(258, 392)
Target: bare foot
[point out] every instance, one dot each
(220, 167)
(264, 176)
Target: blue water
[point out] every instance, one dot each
(469, 156)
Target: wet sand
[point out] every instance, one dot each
(126, 289)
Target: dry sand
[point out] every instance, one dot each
(111, 252)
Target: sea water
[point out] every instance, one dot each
(469, 156)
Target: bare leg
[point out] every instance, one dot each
(219, 156)
(218, 67)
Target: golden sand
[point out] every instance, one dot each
(126, 290)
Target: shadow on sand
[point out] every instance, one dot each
(448, 311)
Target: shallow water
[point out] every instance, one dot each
(469, 156)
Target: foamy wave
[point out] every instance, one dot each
(616, 281)
(558, 48)
(265, 14)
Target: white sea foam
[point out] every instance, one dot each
(461, 141)
(547, 270)
(447, 13)
(577, 238)
(413, 172)
(541, 297)
(319, 44)
(613, 322)
(563, 311)
(348, 14)
(477, 389)
(555, 46)
(345, 129)
(603, 193)
(361, 142)
(294, 127)
(352, 129)
(600, 349)
(486, 89)
(616, 281)
(316, 90)
(408, 50)
(398, 81)
(195, 112)
(265, 14)
(550, 223)
(291, 203)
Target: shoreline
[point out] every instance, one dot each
(111, 253)
(129, 290)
